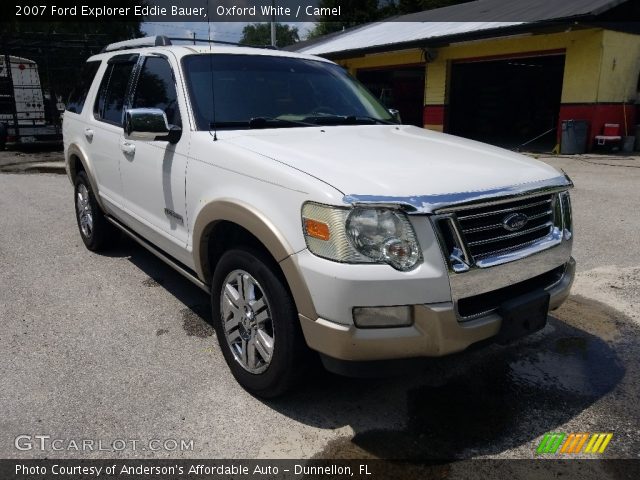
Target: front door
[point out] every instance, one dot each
(153, 172)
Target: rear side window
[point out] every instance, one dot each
(79, 93)
(157, 89)
(109, 105)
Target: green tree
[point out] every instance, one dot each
(112, 31)
(61, 48)
(260, 34)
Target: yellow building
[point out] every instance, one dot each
(506, 82)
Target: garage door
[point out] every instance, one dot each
(507, 102)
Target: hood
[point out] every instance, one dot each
(389, 160)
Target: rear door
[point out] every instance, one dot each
(153, 172)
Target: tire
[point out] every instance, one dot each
(261, 314)
(96, 232)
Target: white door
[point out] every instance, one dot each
(153, 172)
(104, 130)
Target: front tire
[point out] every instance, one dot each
(96, 232)
(256, 323)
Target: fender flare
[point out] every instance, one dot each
(75, 150)
(262, 228)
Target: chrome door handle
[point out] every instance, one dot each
(88, 133)
(128, 148)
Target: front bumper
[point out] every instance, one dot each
(437, 329)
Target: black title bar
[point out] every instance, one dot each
(173, 11)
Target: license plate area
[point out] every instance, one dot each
(523, 316)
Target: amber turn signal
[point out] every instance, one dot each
(317, 229)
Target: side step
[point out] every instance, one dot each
(177, 266)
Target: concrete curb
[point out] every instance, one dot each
(35, 167)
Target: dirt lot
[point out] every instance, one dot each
(119, 346)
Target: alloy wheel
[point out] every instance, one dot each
(247, 322)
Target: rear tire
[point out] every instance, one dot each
(96, 232)
(256, 323)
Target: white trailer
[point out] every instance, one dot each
(22, 104)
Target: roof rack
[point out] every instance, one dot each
(205, 40)
(156, 41)
(161, 41)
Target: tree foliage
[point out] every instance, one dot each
(260, 34)
(111, 31)
(61, 48)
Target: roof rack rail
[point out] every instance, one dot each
(205, 40)
(155, 41)
(161, 41)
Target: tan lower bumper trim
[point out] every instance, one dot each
(436, 332)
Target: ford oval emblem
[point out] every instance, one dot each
(515, 221)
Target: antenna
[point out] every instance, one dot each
(213, 90)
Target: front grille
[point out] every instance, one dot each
(483, 231)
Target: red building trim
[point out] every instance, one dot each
(434, 114)
(597, 114)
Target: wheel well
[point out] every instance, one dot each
(225, 235)
(76, 166)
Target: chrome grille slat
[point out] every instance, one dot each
(463, 217)
(502, 250)
(511, 235)
(483, 234)
(499, 225)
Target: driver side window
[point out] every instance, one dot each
(156, 88)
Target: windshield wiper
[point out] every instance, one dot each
(314, 121)
(264, 122)
(373, 119)
(346, 120)
(260, 122)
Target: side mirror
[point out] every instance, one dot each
(395, 114)
(149, 124)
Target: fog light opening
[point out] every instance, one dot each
(380, 317)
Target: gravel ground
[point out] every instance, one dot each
(118, 346)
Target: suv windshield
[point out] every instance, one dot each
(261, 91)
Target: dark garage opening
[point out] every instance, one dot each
(401, 88)
(507, 102)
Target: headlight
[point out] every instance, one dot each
(384, 235)
(361, 235)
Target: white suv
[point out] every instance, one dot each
(277, 183)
